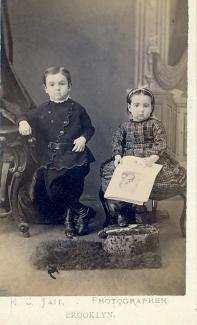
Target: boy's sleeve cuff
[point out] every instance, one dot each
(20, 119)
(82, 136)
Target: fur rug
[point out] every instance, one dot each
(82, 255)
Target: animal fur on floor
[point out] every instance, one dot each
(82, 255)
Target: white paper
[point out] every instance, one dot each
(132, 181)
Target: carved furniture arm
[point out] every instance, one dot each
(16, 155)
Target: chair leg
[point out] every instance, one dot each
(13, 198)
(183, 216)
(105, 207)
(154, 206)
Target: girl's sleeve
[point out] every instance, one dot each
(118, 140)
(159, 142)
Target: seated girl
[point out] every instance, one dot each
(142, 136)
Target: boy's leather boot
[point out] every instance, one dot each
(69, 223)
(84, 215)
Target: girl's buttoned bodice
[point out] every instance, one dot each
(140, 139)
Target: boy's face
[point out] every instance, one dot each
(140, 107)
(57, 87)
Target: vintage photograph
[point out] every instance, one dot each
(85, 83)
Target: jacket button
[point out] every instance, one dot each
(49, 112)
(52, 121)
(61, 132)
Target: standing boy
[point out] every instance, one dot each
(66, 128)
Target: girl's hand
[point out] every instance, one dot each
(149, 161)
(79, 144)
(24, 128)
(117, 160)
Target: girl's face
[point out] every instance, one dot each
(140, 107)
(57, 87)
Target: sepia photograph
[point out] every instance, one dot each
(87, 85)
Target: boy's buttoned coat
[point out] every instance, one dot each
(61, 123)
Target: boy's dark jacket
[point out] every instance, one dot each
(61, 123)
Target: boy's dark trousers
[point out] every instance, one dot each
(59, 190)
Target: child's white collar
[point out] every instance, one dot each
(61, 101)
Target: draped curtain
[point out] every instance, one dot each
(178, 30)
(13, 90)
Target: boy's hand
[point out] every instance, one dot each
(79, 144)
(24, 128)
(117, 160)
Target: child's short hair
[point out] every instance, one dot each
(55, 70)
(138, 91)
